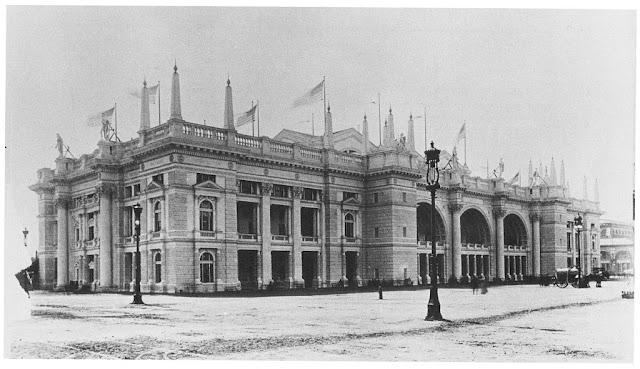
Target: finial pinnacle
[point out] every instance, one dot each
(175, 66)
(365, 116)
(389, 108)
(410, 115)
(144, 83)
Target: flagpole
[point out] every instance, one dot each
(253, 122)
(313, 131)
(380, 120)
(425, 128)
(258, 111)
(324, 101)
(159, 121)
(465, 142)
(115, 112)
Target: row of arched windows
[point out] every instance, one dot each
(206, 216)
(207, 267)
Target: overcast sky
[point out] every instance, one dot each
(531, 84)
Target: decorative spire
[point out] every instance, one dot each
(411, 139)
(365, 135)
(228, 106)
(554, 178)
(585, 192)
(145, 118)
(562, 178)
(176, 111)
(531, 179)
(596, 195)
(328, 129)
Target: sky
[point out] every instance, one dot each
(530, 84)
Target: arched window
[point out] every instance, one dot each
(349, 226)
(157, 217)
(158, 262)
(206, 216)
(206, 268)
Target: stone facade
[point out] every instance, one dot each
(617, 247)
(226, 211)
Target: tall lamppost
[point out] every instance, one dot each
(577, 221)
(137, 297)
(433, 176)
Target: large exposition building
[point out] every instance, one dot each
(225, 211)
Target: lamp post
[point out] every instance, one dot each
(433, 176)
(137, 297)
(577, 221)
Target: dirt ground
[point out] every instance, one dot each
(509, 324)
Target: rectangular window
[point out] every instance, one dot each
(310, 194)
(91, 233)
(136, 189)
(280, 191)
(375, 197)
(349, 195)
(568, 241)
(249, 187)
(376, 232)
(404, 231)
(202, 177)
(376, 273)
(404, 197)
(128, 191)
(159, 178)
(570, 225)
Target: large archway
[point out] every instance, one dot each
(474, 228)
(424, 224)
(515, 233)
(424, 234)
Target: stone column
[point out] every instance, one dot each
(323, 244)
(106, 277)
(455, 210)
(499, 214)
(62, 204)
(266, 233)
(535, 254)
(296, 225)
(467, 264)
(520, 272)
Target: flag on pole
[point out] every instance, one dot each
(462, 134)
(315, 94)
(104, 117)
(515, 179)
(153, 92)
(247, 117)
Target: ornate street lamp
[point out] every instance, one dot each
(577, 221)
(433, 176)
(137, 298)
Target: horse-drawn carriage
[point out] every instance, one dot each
(566, 276)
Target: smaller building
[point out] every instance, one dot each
(616, 246)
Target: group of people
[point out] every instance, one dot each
(479, 283)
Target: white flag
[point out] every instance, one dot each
(315, 94)
(101, 118)
(515, 178)
(246, 117)
(153, 92)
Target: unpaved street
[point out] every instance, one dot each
(510, 323)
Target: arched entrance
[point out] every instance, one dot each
(475, 237)
(424, 235)
(515, 242)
